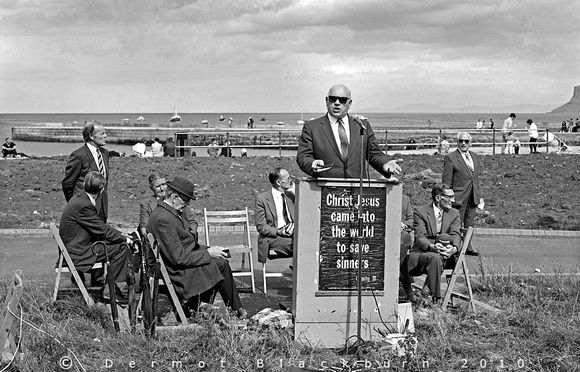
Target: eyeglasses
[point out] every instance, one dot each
(342, 100)
(463, 141)
(448, 196)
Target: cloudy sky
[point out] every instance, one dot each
(283, 55)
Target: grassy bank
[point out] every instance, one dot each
(538, 330)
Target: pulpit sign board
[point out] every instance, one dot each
(326, 259)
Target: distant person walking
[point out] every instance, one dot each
(533, 132)
(250, 123)
(507, 130)
(491, 124)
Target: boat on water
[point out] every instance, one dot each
(301, 121)
(222, 118)
(140, 118)
(175, 116)
(204, 122)
(263, 118)
(126, 121)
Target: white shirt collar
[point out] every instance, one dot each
(91, 199)
(437, 210)
(333, 120)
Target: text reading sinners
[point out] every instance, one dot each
(347, 200)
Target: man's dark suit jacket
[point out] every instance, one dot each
(190, 267)
(425, 226)
(147, 206)
(457, 175)
(81, 162)
(317, 142)
(80, 226)
(267, 220)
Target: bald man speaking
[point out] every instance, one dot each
(330, 146)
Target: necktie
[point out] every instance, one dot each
(287, 218)
(343, 139)
(101, 164)
(469, 162)
(439, 221)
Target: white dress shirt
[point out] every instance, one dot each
(279, 208)
(93, 149)
(334, 126)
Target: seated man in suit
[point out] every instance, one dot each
(275, 216)
(196, 271)
(437, 238)
(158, 185)
(81, 226)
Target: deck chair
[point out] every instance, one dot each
(451, 275)
(165, 279)
(232, 219)
(9, 337)
(65, 265)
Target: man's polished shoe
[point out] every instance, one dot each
(472, 252)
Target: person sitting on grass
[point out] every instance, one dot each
(8, 148)
(81, 226)
(196, 271)
(437, 238)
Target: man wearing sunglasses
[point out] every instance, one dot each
(437, 229)
(461, 169)
(330, 145)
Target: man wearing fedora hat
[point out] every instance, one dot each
(196, 271)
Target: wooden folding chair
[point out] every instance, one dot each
(8, 320)
(65, 265)
(165, 279)
(271, 255)
(452, 275)
(232, 219)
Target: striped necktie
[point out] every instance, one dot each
(285, 211)
(101, 164)
(343, 139)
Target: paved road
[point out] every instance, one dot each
(36, 256)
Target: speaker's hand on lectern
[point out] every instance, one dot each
(317, 165)
(392, 167)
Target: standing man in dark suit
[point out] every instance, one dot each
(437, 238)
(333, 140)
(275, 217)
(81, 226)
(92, 156)
(196, 271)
(461, 169)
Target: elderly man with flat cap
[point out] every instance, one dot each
(196, 271)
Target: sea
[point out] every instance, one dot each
(395, 121)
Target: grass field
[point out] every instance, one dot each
(538, 329)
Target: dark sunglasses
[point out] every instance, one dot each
(342, 100)
(463, 141)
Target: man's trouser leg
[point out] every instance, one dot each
(227, 287)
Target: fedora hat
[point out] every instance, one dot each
(183, 187)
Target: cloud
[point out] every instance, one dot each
(467, 52)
